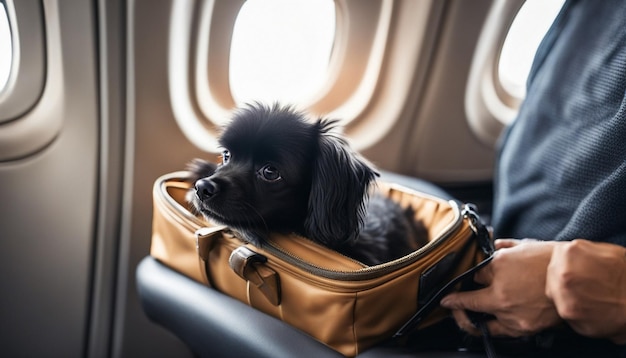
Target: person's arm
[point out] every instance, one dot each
(587, 283)
(514, 292)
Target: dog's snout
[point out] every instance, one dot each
(205, 188)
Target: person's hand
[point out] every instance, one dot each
(514, 292)
(587, 282)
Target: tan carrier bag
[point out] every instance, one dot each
(341, 302)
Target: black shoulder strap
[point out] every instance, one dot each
(431, 304)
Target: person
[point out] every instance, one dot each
(533, 285)
(561, 180)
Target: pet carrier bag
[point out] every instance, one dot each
(341, 302)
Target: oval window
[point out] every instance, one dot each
(6, 47)
(280, 50)
(526, 32)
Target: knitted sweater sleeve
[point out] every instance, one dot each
(561, 172)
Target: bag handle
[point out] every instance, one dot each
(246, 263)
(249, 265)
(205, 240)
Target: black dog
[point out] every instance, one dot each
(281, 172)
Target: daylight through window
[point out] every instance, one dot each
(280, 50)
(6, 48)
(527, 30)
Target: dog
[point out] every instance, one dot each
(281, 172)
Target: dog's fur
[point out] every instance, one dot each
(283, 173)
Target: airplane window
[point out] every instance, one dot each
(280, 50)
(526, 32)
(6, 50)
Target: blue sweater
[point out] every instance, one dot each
(561, 172)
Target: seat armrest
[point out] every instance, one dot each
(215, 325)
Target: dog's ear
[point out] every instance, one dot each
(200, 168)
(339, 189)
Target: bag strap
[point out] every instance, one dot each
(481, 323)
(248, 265)
(205, 239)
(433, 302)
(482, 237)
(479, 320)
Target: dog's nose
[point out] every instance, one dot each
(205, 188)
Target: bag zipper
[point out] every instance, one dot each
(368, 272)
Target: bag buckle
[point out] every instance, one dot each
(249, 265)
(483, 236)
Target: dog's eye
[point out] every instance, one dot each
(225, 157)
(269, 173)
